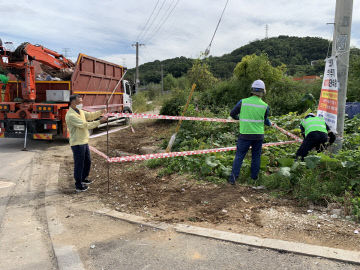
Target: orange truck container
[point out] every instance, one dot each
(94, 79)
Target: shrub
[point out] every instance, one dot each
(174, 104)
(140, 102)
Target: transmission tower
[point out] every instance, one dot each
(66, 52)
(266, 31)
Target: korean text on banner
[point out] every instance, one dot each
(328, 103)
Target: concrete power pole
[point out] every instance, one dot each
(341, 49)
(137, 80)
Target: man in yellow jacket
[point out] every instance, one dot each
(78, 126)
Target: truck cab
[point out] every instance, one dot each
(128, 92)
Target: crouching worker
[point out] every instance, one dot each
(316, 134)
(253, 113)
(78, 126)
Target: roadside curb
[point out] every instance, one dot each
(266, 243)
(134, 219)
(274, 244)
(66, 256)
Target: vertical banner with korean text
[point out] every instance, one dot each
(328, 103)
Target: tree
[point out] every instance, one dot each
(169, 82)
(253, 67)
(201, 75)
(354, 76)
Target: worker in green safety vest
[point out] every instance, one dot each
(316, 134)
(252, 114)
(3, 81)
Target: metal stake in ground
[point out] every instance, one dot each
(24, 149)
(107, 149)
(173, 137)
(107, 130)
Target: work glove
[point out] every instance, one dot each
(332, 137)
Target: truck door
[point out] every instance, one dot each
(127, 97)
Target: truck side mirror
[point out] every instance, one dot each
(133, 89)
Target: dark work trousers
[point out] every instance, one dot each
(82, 163)
(241, 149)
(315, 139)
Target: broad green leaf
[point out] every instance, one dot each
(211, 162)
(312, 161)
(284, 171)
(286, 162)
(348, 164)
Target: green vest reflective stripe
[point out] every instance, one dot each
(311, 124)
(252, 115)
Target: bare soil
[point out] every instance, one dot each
(136, 189)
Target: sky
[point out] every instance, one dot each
(107, 29)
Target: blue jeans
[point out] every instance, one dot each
(241, 150)
(82, 163)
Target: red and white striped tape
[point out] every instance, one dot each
(188, 118)
(170, 117)
(101, 154)
(175, 154)
(184, 153)
(288, 133)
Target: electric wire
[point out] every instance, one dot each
(147, 21)
(207, 51)
(154, 19)
(163, 17)
(164, 21)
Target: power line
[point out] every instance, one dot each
(207, 51)
(154, 19)
(147, 21)
(164, 15)
(163, 21)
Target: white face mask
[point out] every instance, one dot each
(79, 106)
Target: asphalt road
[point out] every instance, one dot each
(24, 241)
(156, 250)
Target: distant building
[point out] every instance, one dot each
(309, 79)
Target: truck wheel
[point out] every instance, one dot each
(127, 119)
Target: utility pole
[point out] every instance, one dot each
(162, 79)
(341, 49)
(137, 81)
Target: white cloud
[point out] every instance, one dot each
(121, 59)
(106, 29)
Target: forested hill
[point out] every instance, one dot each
(295, 52)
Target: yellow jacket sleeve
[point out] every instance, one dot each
(92, 115)
(77, 122)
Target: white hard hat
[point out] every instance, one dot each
(258, 88)
(259, 84)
